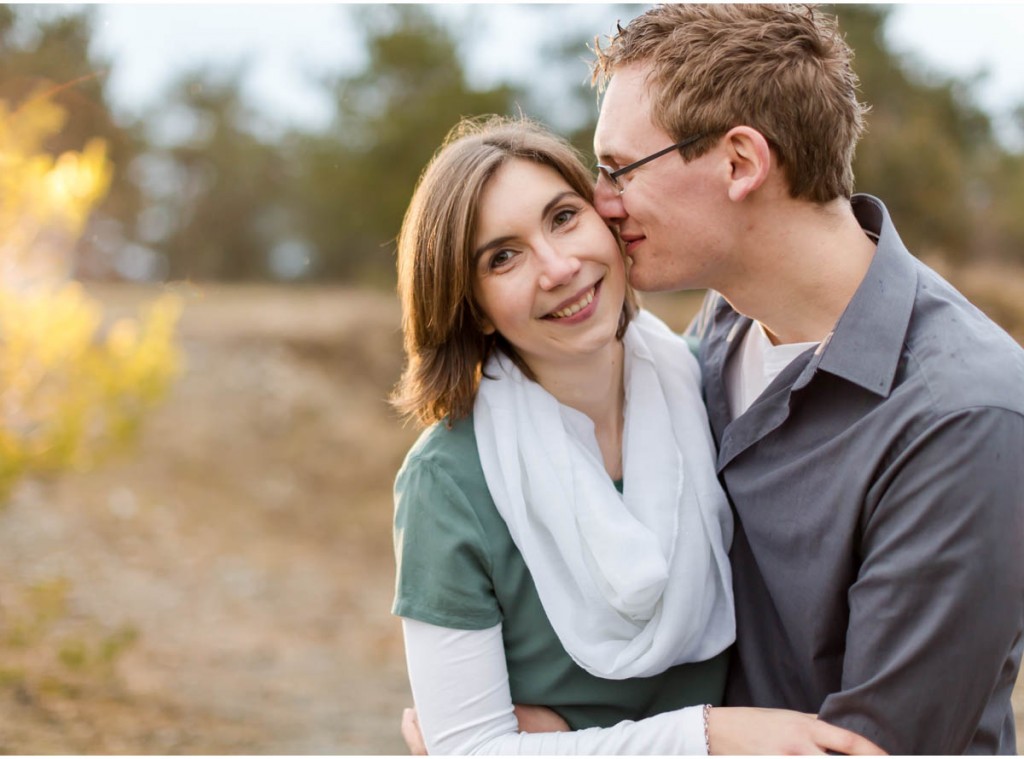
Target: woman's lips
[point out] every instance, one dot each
(579, 308)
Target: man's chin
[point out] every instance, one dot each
(651, 281)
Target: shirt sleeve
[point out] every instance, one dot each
(443, 568)
(937, 605)
(460, 686)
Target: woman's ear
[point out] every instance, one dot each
(750, 160)
(486, 326)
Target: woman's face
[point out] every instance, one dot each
(547, 271)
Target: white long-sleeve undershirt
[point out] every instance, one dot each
(460, 686)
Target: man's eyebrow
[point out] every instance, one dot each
(606, 154)
(609, 158)
(498, 241)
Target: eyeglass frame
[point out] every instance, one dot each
(613, 176)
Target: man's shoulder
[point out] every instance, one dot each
(965, 359)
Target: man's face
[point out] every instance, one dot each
(668, 213)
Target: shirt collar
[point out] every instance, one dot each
(867, 342)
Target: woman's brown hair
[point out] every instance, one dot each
(445, 346)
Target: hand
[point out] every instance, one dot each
(539, 719)
(742, 730)
(411, 733)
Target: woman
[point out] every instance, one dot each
(561, 536)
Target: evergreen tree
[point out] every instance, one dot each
(356, 180)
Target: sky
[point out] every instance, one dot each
(283, 48)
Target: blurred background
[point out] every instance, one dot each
(198, 329)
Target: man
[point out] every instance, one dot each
(870, 421)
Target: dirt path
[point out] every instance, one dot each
(243, 550)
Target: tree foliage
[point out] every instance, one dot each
(391, 116)
(49, 53)
(927, 145)
(201, 190)
(222, 186)
(69, 389)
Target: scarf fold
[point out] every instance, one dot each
(632, 583)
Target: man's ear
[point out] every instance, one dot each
(750, 160)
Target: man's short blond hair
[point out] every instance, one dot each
(783, 70)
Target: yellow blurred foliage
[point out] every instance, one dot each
(70, 389)
(44, 201)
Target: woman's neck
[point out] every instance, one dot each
(595, 387)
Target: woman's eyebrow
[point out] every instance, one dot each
(496, 242)
(556, 200)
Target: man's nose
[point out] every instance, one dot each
(556, 267)
(608, 202)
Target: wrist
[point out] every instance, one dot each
(721, 729)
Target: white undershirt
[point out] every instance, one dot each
(754, 365)
(459, 682)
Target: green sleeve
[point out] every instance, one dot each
(443, 566)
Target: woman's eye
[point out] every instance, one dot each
(564, 216)
(500, 258)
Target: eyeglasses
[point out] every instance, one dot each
(613, 175)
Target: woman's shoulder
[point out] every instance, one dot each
(442, 471)
(449, 446)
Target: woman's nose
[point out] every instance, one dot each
(557, 267)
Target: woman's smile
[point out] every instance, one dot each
(579, 308)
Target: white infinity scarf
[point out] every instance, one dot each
(634, 583)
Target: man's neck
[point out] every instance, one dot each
(801, 270)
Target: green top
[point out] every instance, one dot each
(458, 568)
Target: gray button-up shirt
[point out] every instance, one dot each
(878, 484)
